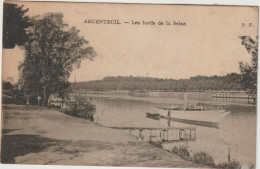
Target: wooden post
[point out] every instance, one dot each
(151, 135)
(229, 154)
(140, 135)
(169, 123)
(167, 135)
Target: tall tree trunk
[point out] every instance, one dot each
(46, 95)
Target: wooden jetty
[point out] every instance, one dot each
(162, 134)
(151, 128)
(232, 96)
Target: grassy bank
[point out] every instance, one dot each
(205, 158)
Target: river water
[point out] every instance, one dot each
(235, 133)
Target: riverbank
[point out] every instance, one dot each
(37, 135)
(169, 98)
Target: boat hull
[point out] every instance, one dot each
(205, 116)
(198, 123)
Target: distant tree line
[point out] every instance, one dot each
(198, 83)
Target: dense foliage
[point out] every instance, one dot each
(7, 86)
(82, 108)
(15, 23)
(198, 83)
(249, 71)
(203, 158)
(51, 52)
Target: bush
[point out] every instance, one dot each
(203, 158)
(82, 108)
(232, 165)
(181, 151)
(19, 96)
(33, 100)
(7, 86)
(157, 144)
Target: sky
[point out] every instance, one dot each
(208, 45)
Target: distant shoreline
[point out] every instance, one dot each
(197, 83)
(199, 97)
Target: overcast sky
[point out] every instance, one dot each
(208, 45)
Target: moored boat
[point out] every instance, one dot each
(193, 114)
(153, 116)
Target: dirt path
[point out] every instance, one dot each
(37, 135)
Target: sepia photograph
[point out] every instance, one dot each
(129, 85)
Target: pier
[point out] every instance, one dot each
(162, 134)
(232, 96)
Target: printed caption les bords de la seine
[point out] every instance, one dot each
(135, 22)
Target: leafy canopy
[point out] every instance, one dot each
(14, 24)
(249, 71)
(51, 52)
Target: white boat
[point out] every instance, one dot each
(193, 114)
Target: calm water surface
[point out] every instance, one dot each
(237, 131)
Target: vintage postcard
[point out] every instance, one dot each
(130, 85)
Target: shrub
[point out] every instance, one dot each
(82, 108)
(33, 99)
(19, 96)
(157, 144)
(233, 164)
(7, 86)
(203, 158)
(181, 151)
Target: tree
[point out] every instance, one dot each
(51, 52)
(15, 23)
(249, 71)
(7, 86)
